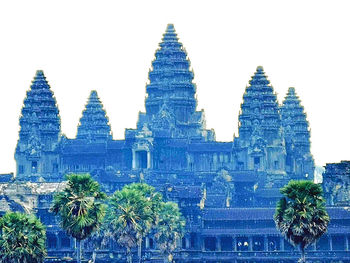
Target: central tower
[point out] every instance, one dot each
(170, 102)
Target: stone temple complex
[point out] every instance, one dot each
(227, 191)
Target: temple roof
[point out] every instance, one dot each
(94, 123)
(259, 110)
(170, 102)
(296, 127)
(263, 213)
(39, 115)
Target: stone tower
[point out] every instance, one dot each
(261, 144)
(299, 161)
(40, 125)
(94, 124)
(170, 102)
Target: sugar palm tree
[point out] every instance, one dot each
(301, 216)
(153, 200)
(170, 229)
(130, 212)
(80, 207)
(22, 239)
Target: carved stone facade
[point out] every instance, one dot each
(226, 190)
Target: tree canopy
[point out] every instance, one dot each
(22, 239)
(300, 215)
(80, 207)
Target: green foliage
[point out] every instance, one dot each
(22, 239)
(133, 212)
(301, 216)
(80, 206)
(170, 228)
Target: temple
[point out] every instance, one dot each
(227, 191)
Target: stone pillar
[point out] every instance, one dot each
(314, 246)
(234, 241)
(187, 241)
(147, 242)
(133, 159)
(281, 244)
(149, 163)
(266, 243)
(346, 243)
(202, 243)
(330, 242)
(58, 245)
(250, 243)
(218, 243)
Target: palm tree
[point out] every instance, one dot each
(130, 212)
(170, 229)
(22, 239)
(301, 216)
(154, 200)
(80, 207)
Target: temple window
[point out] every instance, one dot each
(51, 242)
(242, 244)
(55, 168)
(21, 169)
(258, 243)
(240, 166)
(256, 162)
(151, 243)
(183, 243)
(34, 167)
(141, 159)
(210, 243)
(276, 165)
(226, 244)
(65, 242)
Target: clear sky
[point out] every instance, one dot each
(108, 46)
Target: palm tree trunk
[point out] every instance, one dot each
(78, 249)
(302, 249)
(128, 255)
(139, 249)
(94, 256)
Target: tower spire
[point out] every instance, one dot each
(40, 127)
(94, 123)
(40, 111)
(170, 79)
(259, 109)
(297, 136)
(171, 87)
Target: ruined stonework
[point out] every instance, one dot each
(336, 183)
(227, 191)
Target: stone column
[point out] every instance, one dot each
(314, 246)
(218, 243)
(58, 245)
(266, 243)
(234, 241)
(202, 243)
(187, 241)
(281, 244)
(250, 243)
(330, 242)
(133, 159)
(346, 243)
(147, 242)
(149, 163)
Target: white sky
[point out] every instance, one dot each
(109, 45)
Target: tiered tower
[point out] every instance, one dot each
(299, 161)
(94, 124)
(260, 143)
(171, 103)
(40, 127)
